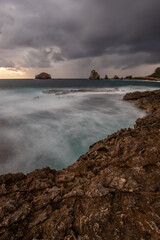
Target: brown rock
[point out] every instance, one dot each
(150, 101)
(128, 77)
(116, 77)
(43, 75)
(94, 75)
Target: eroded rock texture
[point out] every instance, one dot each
(111, 192)
(149, 100)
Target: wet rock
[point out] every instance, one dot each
(148, 100)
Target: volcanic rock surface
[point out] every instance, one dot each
(43, 75)
(111, 192)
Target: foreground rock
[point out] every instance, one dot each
(43, 75)
(148, 100)
(94, 75)
(111, 192)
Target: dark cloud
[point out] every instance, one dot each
(38, 33)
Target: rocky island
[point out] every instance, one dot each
(94, 75)
(116, 77)
(43, 75)
(111, 192)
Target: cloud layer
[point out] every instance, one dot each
(45, 34)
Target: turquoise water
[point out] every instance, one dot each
(39, 130)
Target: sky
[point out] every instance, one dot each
(69, 38)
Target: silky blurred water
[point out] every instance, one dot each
(38, 130)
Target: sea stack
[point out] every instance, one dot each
(116, 77)
(94, 75)
(128, 77)
(43, 75)
(106, 76)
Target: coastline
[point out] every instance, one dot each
(111, 191)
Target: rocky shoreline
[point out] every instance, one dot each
(111, 192)
(62, 91)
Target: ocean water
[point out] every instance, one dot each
(38, 129)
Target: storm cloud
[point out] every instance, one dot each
(107, 33)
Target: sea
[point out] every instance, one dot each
(39, 129)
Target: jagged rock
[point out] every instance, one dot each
(106, 76)
(111, 192)
(43, 75)
(116, 77)
(94, 75)
(128, 77)
(150, 101)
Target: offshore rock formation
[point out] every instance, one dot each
(111, 192)
(116, 77)
(106, 76)
(128, 77)
(43, 75)
(94, 75)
